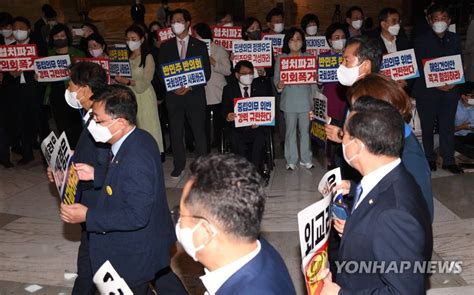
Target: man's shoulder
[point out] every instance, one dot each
(140, 140)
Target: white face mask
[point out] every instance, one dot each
(393, 30)
(178, 28)
(338, 44)
(185, 238)
(357, 24)
(71, 99)
(295, 45)
(311, 30)
(246, 79)
(7, 33)
(347, 76)
(134, 45)
(344, 148)
(440, 27)
(99, 132)
(96, 52)
(278, 27)
(20, 35)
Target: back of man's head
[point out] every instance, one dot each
(368, 49)
(119, 102)
(89, 74)
(378, 125)
(228, 190)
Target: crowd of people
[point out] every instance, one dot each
(117, 134)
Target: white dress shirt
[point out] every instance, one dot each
(116, 146)
(369, 181)
(242, 90)
(390, 45)
(213, 280)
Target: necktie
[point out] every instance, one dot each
(358, 194)
(246, 92)
(182, 54)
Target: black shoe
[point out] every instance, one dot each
(432, 165)
(455, 169)
(24, 161)
(7, 164)
(266, 177)
(176, 173)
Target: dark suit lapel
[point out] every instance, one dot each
(191, 47)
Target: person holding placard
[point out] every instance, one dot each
(96, 46)
(296, 103)
(438, 102)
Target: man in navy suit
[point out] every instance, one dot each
(186, 102)
(390, 224)
(219, 224)
(130, 225)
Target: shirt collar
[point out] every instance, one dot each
(185, 39)
(369, 181)
(388, 41)
(213, 280)
(116, 146)
(242, 88)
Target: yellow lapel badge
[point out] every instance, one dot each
(108, 189)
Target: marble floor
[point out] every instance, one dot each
(36, 248)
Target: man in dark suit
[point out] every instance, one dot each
(390, 225)
(219, 225)
(130, 225)
(247, 142)
(185, 102)
(389, 33)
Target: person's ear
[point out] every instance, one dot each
(449, 21)
(237, 75)
(208, 232)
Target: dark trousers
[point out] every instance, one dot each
(27, 118)
(194, 110)
(442, 106)
(465, 145)
(249, 143)
(213, 111)
(83, 283)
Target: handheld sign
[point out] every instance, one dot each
(119, 63)
(183, 73)
(52, 68)
(17, 57)
(327, 67)
(259, 53)
(47, 146)
(314, 225)
(277, 42)
(258, 111)
(298, 69)
(225, 36)
(400, 65)
(103, 62)
(317, 45)
(317, 131)
(108, 281)
(441, 71)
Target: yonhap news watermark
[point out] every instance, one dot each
(385, 267)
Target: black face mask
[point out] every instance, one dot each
(255, 35)
(60, 43)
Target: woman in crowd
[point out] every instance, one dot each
(96, 46)
(87, 30)
(310, 24)
(67, 119)
(296, 103)
(143, 69)
(220, 66)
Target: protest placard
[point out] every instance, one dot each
(61, 164)
(183, 73)
(277, 42)
(317, 45)
(119, 63)
(400, 65)
(103, 62)
(298, 69)
(317, 131)
(17, 57)
(327, 67)
(52, 68)
(225, 36)
(208, 44)
(108, 281)
(258, 111)
(259, 53)
(314, 225)
(167, 33)
(441, 71)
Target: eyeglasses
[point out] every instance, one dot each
(176, 216)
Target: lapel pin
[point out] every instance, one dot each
(108, 189)
(371, 202)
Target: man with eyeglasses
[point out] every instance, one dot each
(219, 224)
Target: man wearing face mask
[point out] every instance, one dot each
(389, 208)
(130, 225)
(252, 138)
(185, 102)
(218, 224)
(439, 102)
(355, 20)
(275, 22)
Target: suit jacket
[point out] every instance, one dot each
(266, 273)
(169, 53)
(217, 82)
(392, 223)
(232, 90)
(131, 225)
(402, 40)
